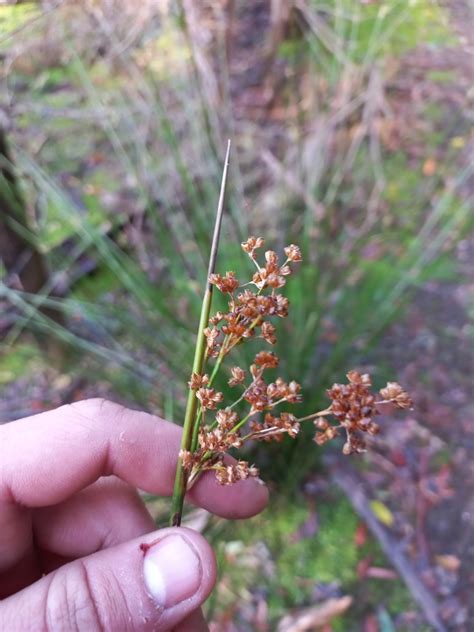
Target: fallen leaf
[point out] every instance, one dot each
(378, 572)
(382, 512)
(314, 617)
(458, 142)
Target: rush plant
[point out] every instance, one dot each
(212, 427)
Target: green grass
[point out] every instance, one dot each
(15, 17)
(18, 361)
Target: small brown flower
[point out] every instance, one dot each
(293, 393)
(266, 360)
(321, 438)
(226, 419)
(251, 245)
(289, 423)
(216, 319)
(280, 390)
(256, 395)
(268, 333)
(187, 459)
(271, 258)
(226, 284)
(331, 432)
(293, 253)
(227, 475)
(394, 393)
(264, 278)
(355, 377)
(212, 335)
(282, 304)
(197, 381)
(321, 423)
(238, 376)
(234, 325)
(358, 444)
(209, 397)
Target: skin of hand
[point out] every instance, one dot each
(78, 549)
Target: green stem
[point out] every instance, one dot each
(180, 482)
(241, 423)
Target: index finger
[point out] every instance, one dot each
(46, 458)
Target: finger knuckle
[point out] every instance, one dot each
(98, 408)
(74, 603)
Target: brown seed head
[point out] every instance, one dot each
(293, 253)
(238, 376)
(187, 459)
(264, 278)
(251, 245)
(394, 393)
(226, 419)
(212, 335)
(331, 432)
(268, 332)
(266, 360)
(321, 423)
(197, 381)
(321, 438)
(256, 395)
(355, 377)
(227, 475)
(209, 397)
(216, 319)
(227, 284)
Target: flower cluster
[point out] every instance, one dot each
(353, 405)
(249, 310)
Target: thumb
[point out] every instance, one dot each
(151, 583)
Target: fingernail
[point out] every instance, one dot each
(172, 570)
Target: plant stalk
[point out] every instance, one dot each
(190, 420)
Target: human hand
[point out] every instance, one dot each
(72, 525)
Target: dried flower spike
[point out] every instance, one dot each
(253, 416)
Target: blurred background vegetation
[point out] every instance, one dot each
(350, 130)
